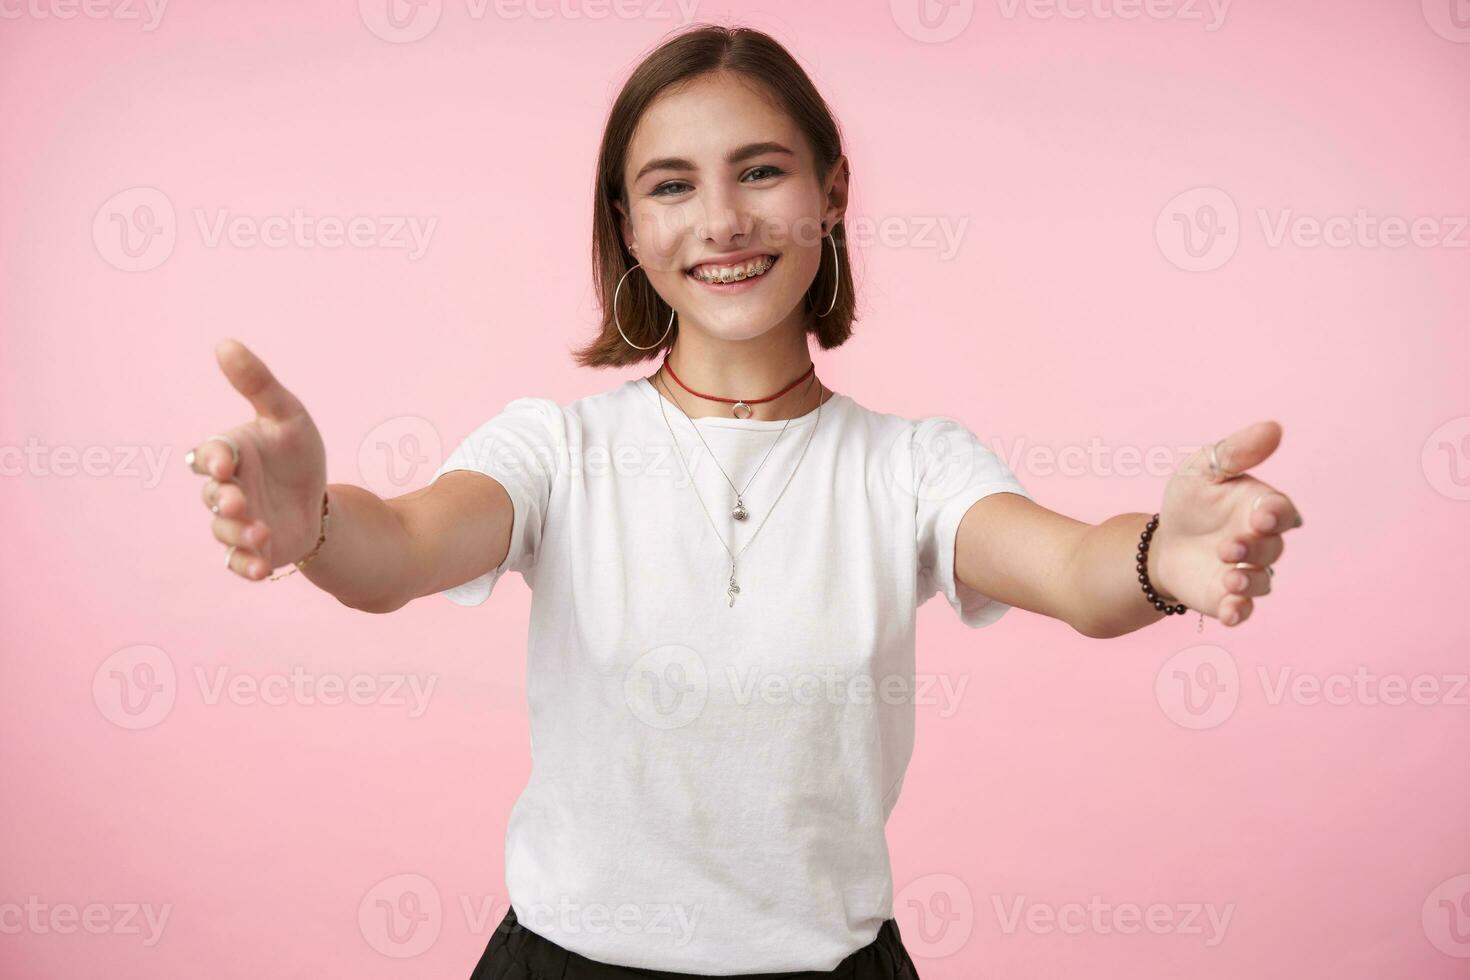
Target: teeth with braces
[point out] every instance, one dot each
(739, 273)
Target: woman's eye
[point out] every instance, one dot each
(675, 186)
(775, 171)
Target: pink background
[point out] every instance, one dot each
(1072, 315)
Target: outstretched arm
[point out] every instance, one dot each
(266, 494)
(1212, 518)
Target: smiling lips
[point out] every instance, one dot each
(716, 274)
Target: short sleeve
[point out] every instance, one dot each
(951, 469)
(523, 448)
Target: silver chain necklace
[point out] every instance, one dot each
(733, 589)
(738, 511)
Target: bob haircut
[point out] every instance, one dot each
(698, 50)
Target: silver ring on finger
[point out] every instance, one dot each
(1217, 471)
(1247, 566)
(192, 454)
(234, 449)
(230, 554)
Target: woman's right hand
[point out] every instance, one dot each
(268, 504)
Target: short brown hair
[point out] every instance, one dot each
(693, 51)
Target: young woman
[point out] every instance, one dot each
(712, 776)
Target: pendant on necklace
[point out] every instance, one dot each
(739, 513)
(739, 406)
(734, 589)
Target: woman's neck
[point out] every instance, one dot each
(741, 369)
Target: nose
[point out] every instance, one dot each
(722, 218)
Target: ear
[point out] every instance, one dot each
(836, 190)
(625, 228)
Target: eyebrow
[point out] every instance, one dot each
(734, 156)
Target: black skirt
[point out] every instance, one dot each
(516, 953)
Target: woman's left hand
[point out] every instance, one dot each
(1214, 516)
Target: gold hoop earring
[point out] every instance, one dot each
(618, 323)
(837, 272)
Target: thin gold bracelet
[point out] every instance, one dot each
(321, 539)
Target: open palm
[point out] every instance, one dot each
(268, 503)
(1220, 528)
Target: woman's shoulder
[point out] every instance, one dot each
(877, 420)
(617, 400)
(591, 405)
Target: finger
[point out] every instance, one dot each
(225, 499)
(1239, 451)
(1247, 581)
(253, 379)
(1237, 606)
(1256, 549)
(245, 534)
(1273, 511)
(214, 457)
(246, 564)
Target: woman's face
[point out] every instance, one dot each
(719, 179)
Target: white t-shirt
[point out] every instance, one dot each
(709, 781)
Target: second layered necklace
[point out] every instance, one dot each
(738, 511)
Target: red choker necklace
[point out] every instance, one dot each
(739, 404)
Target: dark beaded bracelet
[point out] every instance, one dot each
(1148, 589)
